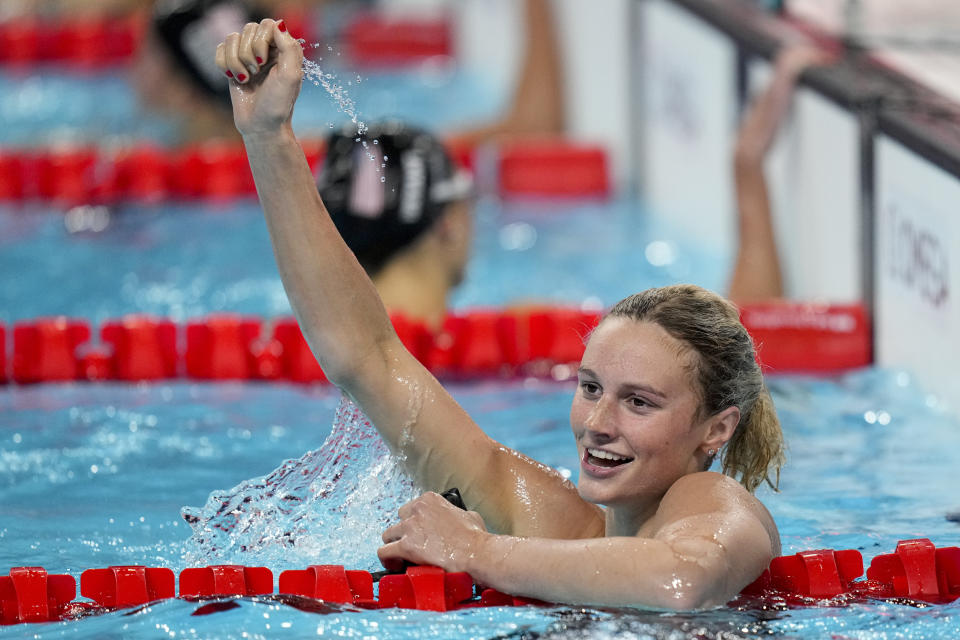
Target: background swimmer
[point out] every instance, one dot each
(404, 209)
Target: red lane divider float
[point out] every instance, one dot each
(83, 43)
(46, 350)
(553, 168)
(29, 594)
(330, 583)
(91, 43)
(128, 586)
(144, 174)
(232, 347)
(219, 348)
(147, 174)
(809, 337)
(226, 580)
(427, 589)
(3, 354)
(919, 570)
(538, 342)
(374, 40)
(916, 571)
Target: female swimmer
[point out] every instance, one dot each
(668, 382)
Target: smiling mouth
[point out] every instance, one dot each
(600, 458)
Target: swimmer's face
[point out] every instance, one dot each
(635, 415)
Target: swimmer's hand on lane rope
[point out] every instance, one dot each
(265, 65)
(450, 495)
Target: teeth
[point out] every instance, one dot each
(605, 455)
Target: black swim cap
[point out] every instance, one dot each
(386, 186)
(190, 31)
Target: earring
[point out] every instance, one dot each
(712, 452)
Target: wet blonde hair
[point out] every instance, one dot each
(727, 371)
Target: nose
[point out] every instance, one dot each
(600, 422)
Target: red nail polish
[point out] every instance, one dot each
(241, 77)
(281, 26)
(229, 73)
(259, 60)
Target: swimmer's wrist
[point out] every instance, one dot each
(473, 556)
(269, 136)
(486, 552)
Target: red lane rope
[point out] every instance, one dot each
(383, 41)
(148, 174)
(144, 174)
(916, 572)
(85, 43)
(541, 342)
(93, 43)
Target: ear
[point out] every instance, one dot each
(720, 428)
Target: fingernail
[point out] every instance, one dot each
(281, 26)
(229, 73)
(242, 77)
(259, 60)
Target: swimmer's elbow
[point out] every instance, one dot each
(691, 586)
(360, 367)
(689, 596)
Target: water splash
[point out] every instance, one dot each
(328, 507)
(313, 72)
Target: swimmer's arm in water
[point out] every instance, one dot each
(347, 327)
(756, 273)
(711, 540)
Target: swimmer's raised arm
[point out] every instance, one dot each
(347, 327)
(756, 273)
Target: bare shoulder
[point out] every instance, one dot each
(716, 529)
(707, 499)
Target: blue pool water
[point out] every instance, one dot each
(53, 107)
(94, 475)
(188, 260)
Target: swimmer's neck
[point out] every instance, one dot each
(415, 288)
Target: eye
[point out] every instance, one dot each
(638, 403)
(590, 388)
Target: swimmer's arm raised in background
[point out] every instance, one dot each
(537, 105)
(347, 327)
(756, 272)
(709, 541)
